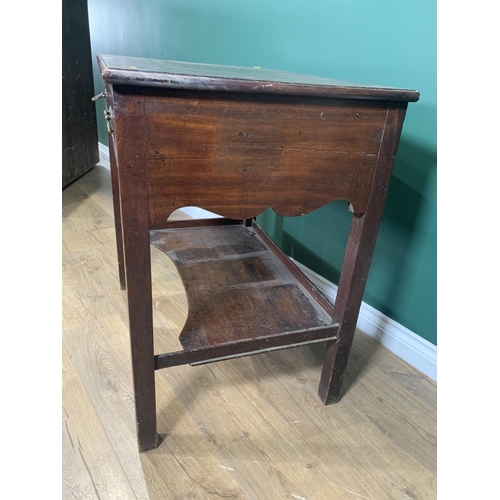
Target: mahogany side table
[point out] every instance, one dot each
(236, 141)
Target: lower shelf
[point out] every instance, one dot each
(243, 295)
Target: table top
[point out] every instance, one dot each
(195, 76)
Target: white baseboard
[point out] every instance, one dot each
(407, 345)
(104, 155)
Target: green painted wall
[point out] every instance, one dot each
(373, 41)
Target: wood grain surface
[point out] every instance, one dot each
(249, 428)
(232, 278)
(132, 180)
(184, 75)
(235, 154)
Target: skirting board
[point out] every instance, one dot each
(404, 343)
(407, 345)
(104, 155)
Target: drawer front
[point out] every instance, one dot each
(236, 155)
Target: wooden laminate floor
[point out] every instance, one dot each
(251, 428)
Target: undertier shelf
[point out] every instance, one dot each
(244, 295)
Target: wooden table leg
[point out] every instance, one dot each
(132, 174)
(347, 304)
(357, 260)
(117, 211)
(138, 280)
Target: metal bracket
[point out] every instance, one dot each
(98, 96)
(107, 116)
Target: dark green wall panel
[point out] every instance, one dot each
(372, 41)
